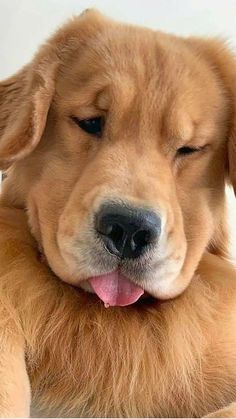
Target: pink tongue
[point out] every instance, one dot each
(114, 289)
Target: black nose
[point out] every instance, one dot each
(127, 232)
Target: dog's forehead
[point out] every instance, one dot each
(124, 51)
(132, 66)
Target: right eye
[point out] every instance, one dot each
(92, 126)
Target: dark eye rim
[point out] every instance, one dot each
(83, 124)
(186, 151)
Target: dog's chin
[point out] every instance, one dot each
(117, 284)
(115, 289)
(118, 288)
(161, 284)
(155, 286)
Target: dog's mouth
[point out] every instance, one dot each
(115, 289)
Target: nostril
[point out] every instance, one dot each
(142, 238)
(116, 233)
(112, 234)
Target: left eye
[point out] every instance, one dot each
(92, 126)
(184, 151)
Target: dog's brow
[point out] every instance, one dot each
(185, 127)
(103, 99)
(178, 126)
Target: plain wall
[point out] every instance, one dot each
(24, 24)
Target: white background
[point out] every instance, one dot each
(24, 24)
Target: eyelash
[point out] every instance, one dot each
(187, 151)
(92, 126)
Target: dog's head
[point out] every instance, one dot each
(117, 139)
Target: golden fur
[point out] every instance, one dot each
(174, 358)
(158, 93)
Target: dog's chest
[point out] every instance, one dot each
(140, 362)
(115, 365)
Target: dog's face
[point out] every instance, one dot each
(125, 188)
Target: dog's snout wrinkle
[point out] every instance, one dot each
(127, 232)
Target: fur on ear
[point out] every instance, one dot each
(223, 63)
(25, 97)
(24, 103)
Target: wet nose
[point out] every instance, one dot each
(127, 232)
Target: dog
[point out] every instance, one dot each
(116, 295)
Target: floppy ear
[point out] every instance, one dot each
(223, 63)
(25, 98)
(24, 103)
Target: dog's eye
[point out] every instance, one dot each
(184, 151)
(92, 126)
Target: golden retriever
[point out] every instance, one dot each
(118, 141)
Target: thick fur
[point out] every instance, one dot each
(158, 93)
(174, 358)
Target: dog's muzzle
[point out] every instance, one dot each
(127, 233)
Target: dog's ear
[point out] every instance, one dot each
(24, 103)
(223, 63)
(25, 98)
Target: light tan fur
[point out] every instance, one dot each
(157, 93)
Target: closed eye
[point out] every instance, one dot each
(92, 126)
(185, 151)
